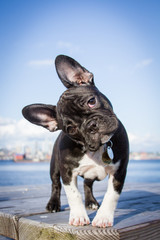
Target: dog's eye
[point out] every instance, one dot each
(92, 102)
(71, 130)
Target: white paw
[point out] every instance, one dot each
(79, 219)
(103, 220)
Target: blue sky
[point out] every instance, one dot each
(116, 40)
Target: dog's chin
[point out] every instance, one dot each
(103, 140)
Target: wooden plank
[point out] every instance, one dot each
(23, 213)
(134, 207)
(16, 192)
(146, 231)
(123, 217)
(8, 225)
(29, 230)
(25, 200)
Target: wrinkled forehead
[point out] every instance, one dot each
(72, 102)
(78, 92)
(77, 96)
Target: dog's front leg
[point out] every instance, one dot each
(105, 214)
(78, 214)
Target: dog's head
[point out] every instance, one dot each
(82, 112)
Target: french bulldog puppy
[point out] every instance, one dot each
(93, 143)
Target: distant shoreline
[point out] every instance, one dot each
(47, 161)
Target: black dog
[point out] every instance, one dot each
(93, 143)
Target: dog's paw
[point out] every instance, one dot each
(80, 219)
(103, 220)
(53, 206)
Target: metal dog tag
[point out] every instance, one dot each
(108, 155)
(110, 152)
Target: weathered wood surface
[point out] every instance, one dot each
(23, 215)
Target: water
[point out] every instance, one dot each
(12, 174)
(143, 171)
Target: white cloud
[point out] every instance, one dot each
(6, 121)
(147, 142)
(68, 46)
(142, 64)
(20, 128)
(132, 137)
(44, 62)
(62, 44)
(20, 133)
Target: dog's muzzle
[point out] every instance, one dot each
(97, 131)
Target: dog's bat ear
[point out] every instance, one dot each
(72, 73)
(42, 115)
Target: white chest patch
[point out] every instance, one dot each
(91, 166)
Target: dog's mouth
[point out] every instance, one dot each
(96, 145)
(93, 142)
(94, 132)
(93, 148)
(98, 132)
